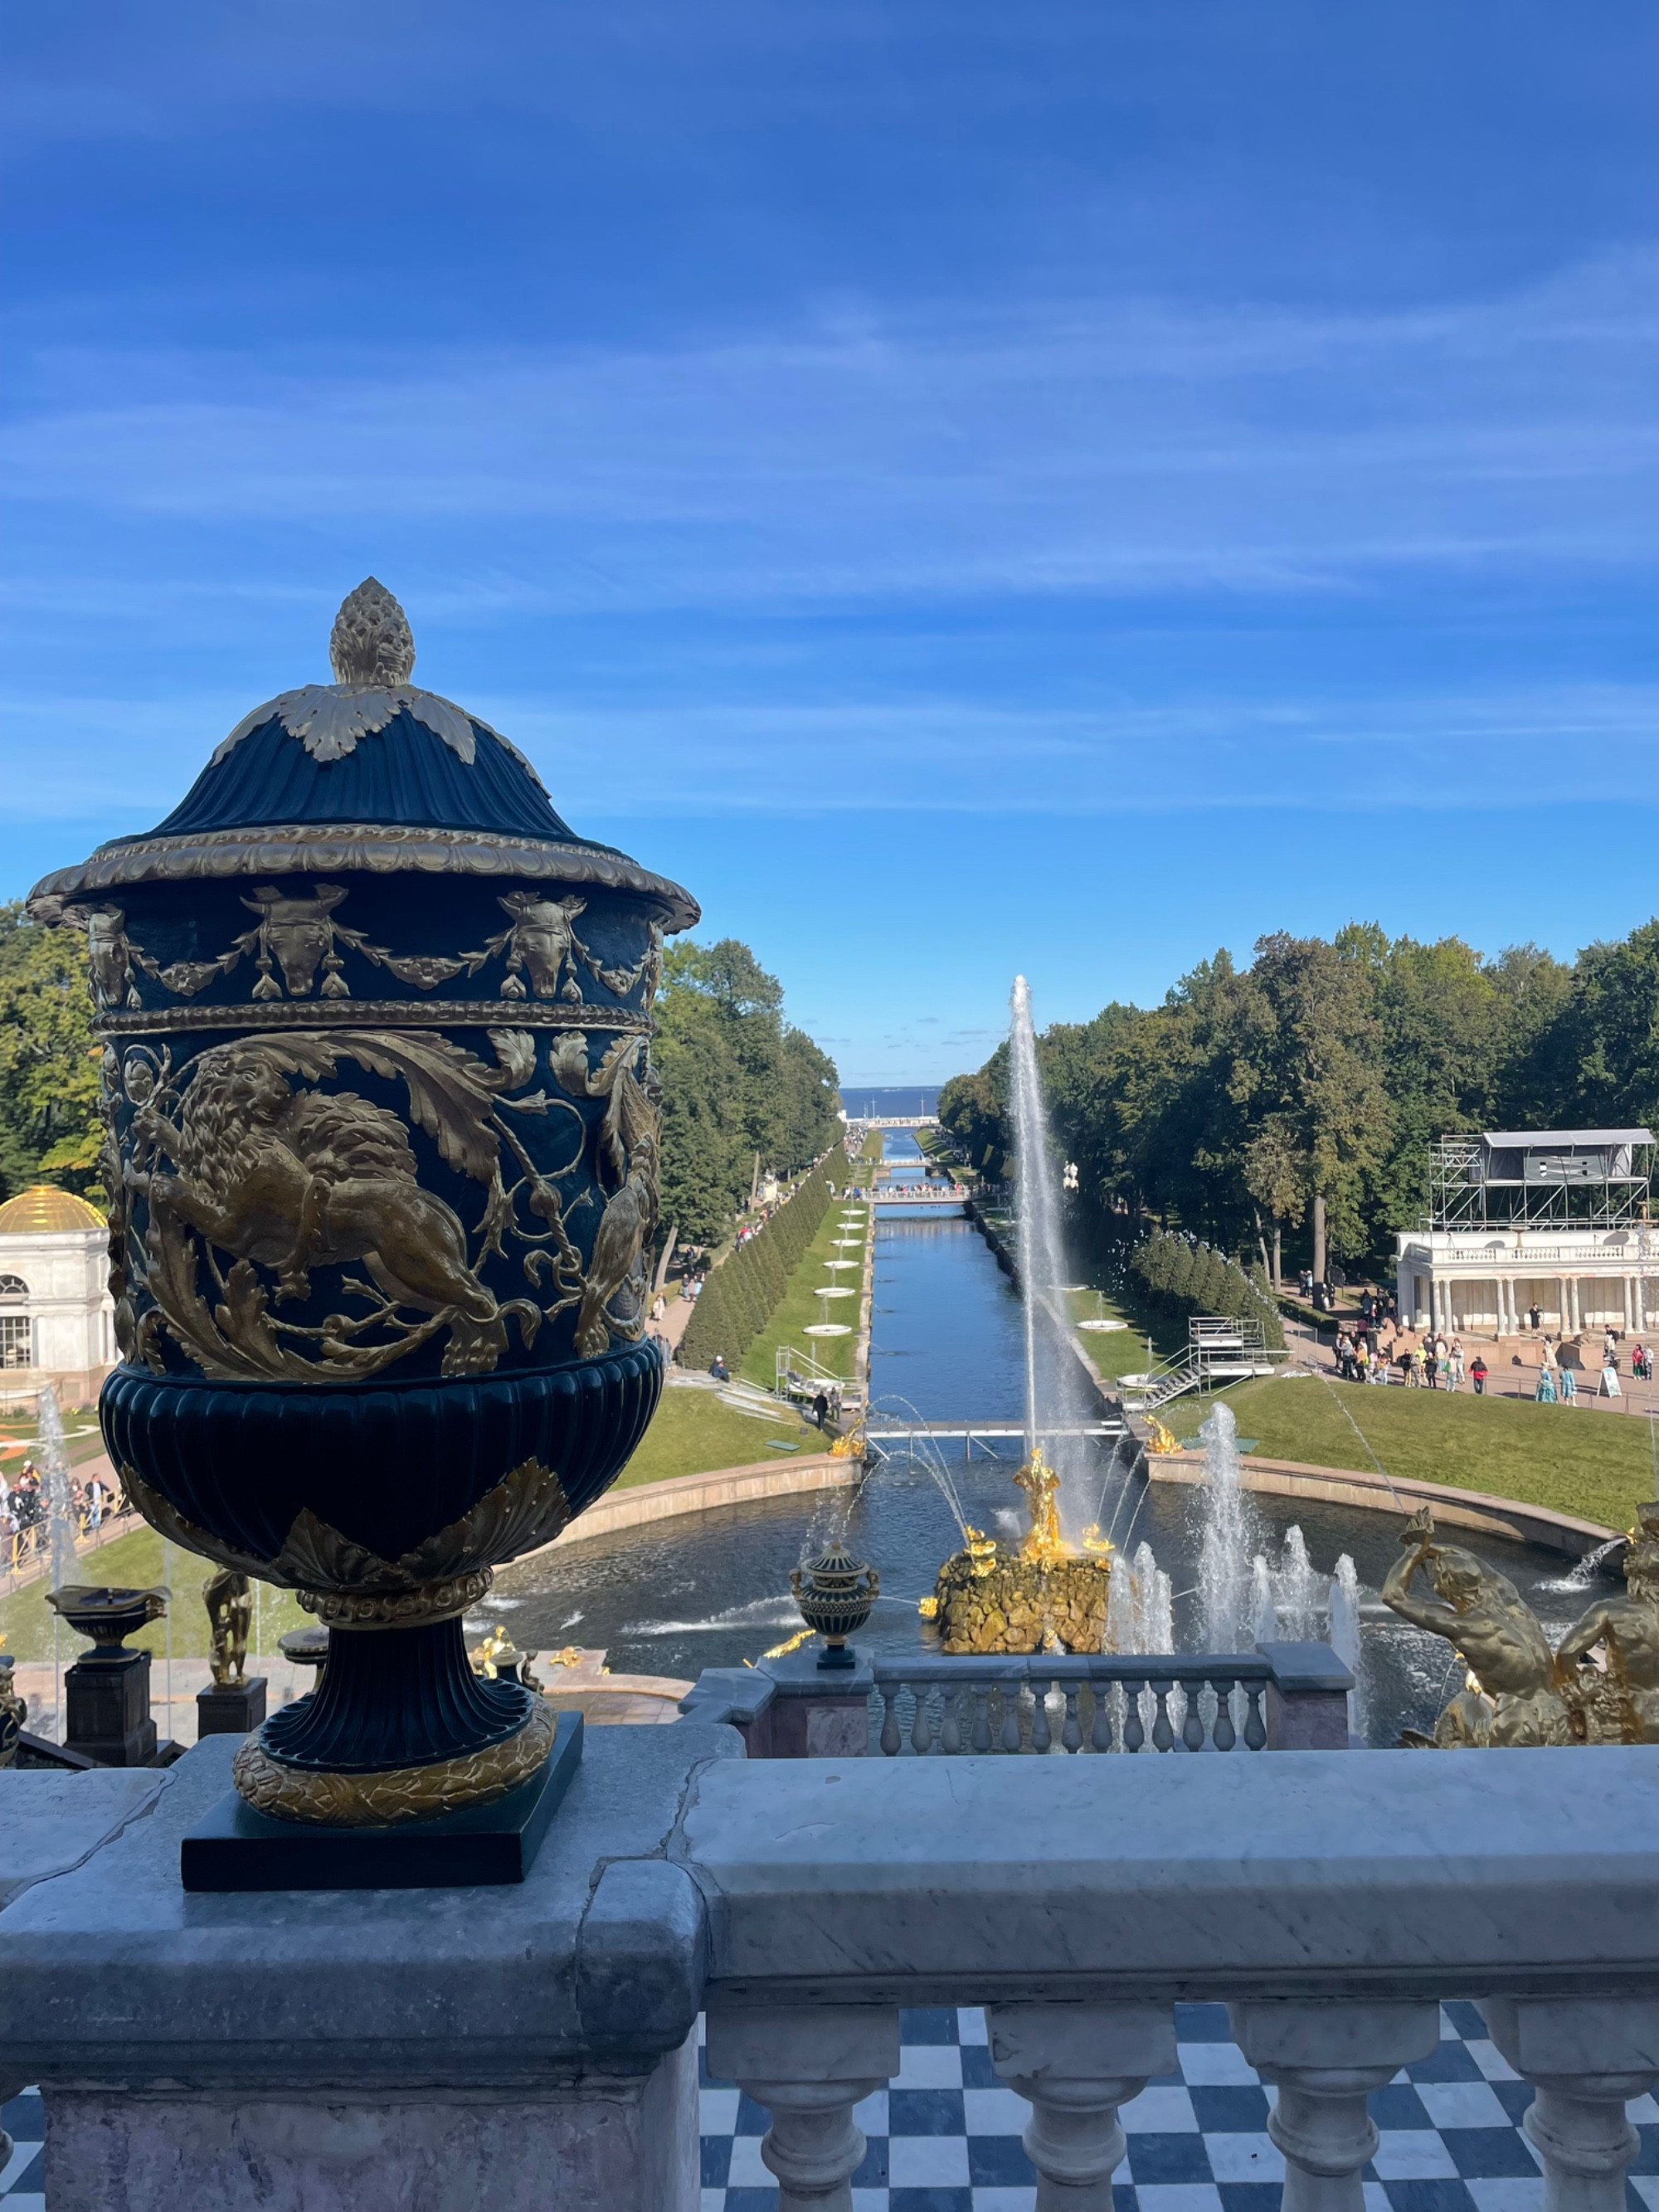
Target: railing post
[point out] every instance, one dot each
(809, 2065)
(1307, 1698)
(1075, 2064)
(1586, 2057)
(1326, 2057)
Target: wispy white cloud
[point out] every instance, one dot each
(1420, 752)
(942, 451)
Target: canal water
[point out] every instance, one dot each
(712, 1590)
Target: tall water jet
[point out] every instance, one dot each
(1226, 1585)
(1303, 1594)
(1344, 1638)
(53, 1462)
(1058, 1395)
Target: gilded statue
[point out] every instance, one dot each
(1512, 1698)
(228, 1597)
(1041, 1483)
(1619, 1702)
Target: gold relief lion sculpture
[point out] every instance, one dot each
(289, 1179)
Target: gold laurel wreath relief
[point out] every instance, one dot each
(397, 1794)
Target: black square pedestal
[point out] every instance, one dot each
(108, 1715)
(231, 1708)
(235, 1847)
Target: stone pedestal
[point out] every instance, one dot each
(107, 1705)
(1307, 1701)
(816, 1712)
(529, 2048)
(231, 1708)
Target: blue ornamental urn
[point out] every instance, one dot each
(381, 1148)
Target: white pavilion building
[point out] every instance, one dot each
(57, 1320)
(1552, 1223)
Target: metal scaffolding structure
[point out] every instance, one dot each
(1541, 1178)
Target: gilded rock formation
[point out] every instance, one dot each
(1040, 1595)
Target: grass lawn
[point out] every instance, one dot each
(134, 1561)
(694, 1432)
(799, 1305)
(1598, 1465)
(1123, 1351)
(83, 1439)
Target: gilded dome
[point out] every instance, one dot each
(45, 1210)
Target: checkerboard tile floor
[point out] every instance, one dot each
(943, 2136)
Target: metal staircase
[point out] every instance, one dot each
(1218, 1349)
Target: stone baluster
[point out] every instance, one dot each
(1586, 2057)
(1100, 1728)
(1192, 1729)
(1223, 1733)
(981, 1739)
(1075, 2064)
(1256, 1729)
(950, 1731)
(1010, 1715)
(1326, 2056)
(922, 1734)
(1071, 1733)
(1040, 1735)
(809, 2065)
(10, 2087)
(1135, 1733)
(1162, 1732)
(890, 1738)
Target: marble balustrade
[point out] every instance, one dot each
(536, 2046)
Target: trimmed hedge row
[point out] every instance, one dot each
(740, 1297)
(1198, 1278)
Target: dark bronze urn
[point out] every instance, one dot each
(382, 1152)
(836, 1594)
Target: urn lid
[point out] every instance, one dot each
(370, 771)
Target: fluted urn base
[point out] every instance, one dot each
(400, 1729)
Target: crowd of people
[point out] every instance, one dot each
(1376, 1349)
(26, 1513)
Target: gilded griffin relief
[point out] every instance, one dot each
(253, 1178)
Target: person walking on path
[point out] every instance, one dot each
(1569, 1388)
(1544, 1393)
(1478, 1375)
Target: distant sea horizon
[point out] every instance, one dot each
(877, 1101)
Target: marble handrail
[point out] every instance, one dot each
(1330, 1902)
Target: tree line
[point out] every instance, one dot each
(743, 1092)
(737, 1300)
(1285, 1110)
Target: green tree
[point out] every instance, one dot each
(49, 1126)
(739, 1087)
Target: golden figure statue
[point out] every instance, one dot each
(1622, 1705)
(1512, 1696)
(228, 1598)
(1042, 1540)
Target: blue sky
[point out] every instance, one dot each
(965, 489)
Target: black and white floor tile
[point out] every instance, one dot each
(943, 2136)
